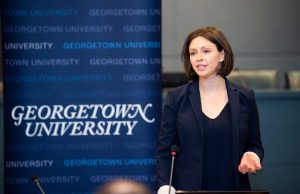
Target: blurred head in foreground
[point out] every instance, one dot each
(123, 186)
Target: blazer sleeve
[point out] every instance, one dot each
(254, 139)
(167, 138)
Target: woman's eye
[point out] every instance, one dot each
(192, 53)
(206, 51)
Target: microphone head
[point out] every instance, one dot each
(174, 149)
(35, 179)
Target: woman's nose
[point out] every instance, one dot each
(199, 56)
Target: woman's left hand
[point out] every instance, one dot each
(249, 164)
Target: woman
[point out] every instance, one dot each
(214, 122)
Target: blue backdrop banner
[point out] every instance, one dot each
(82, 93)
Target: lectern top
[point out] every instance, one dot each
(221, 192)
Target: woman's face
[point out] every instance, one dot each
(205, 57)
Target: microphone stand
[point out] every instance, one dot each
(37, 183)
(171, 173)
(173, 153)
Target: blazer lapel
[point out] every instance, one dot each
(234, 103)
(194, 97)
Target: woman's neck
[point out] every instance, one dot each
(212, 83)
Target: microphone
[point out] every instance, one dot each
(174, 150)
(36, 181)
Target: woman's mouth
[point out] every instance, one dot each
(201, 67)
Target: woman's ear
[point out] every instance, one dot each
(222, 56)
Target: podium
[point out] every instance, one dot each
(221, 192)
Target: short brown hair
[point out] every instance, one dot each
(218, 38)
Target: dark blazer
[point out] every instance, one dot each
(182, 125)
